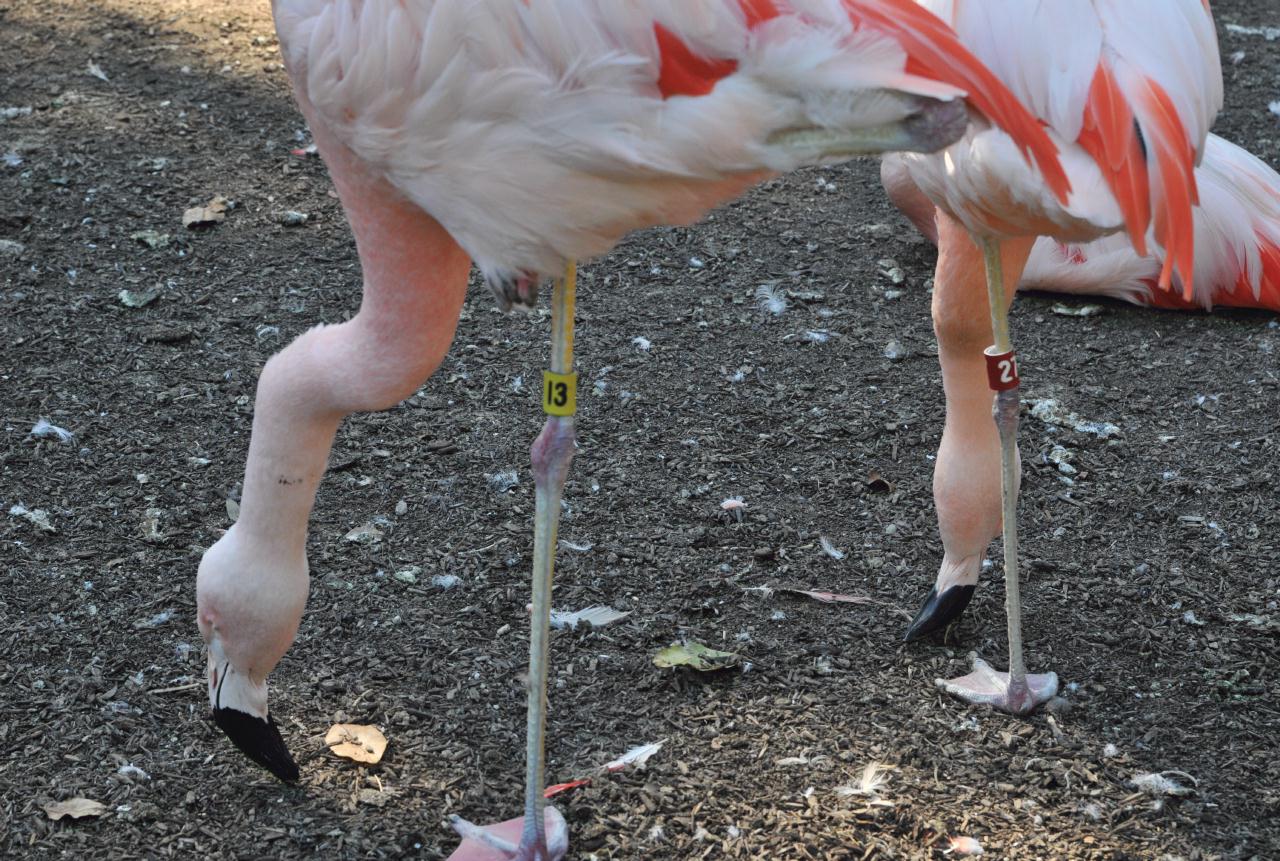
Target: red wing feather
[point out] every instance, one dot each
(1175, 190)
(1110, 137)
(935, 52)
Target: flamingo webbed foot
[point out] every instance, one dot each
(498, 842)
(988, 686)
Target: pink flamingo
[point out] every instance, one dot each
(524, 135)
(1237, 240)
(1128, 89)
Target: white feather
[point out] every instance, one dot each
(1047, 53)
(636, 756)
(533, 131)
(771, 299)
(596, 617)
(43, 428)
(1239, 210)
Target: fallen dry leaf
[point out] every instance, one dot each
(367, 534)
(356, 742)
(152, 238)
(878, 483)
(374, 797)
(76, 808)
(695, 656)
(139, 298)
(204, 216)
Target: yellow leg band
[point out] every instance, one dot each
(559, 393)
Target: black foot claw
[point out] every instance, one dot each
(259, 740)
(939, 611)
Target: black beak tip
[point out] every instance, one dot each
(259, 740)
(939, 611)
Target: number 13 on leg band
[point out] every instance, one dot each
(1002, 370)
(559, 393)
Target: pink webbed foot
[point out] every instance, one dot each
(986, 686)
(502, 841)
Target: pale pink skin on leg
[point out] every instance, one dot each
(415, 280)
(966, 476)
(908, 198)
(987, 686)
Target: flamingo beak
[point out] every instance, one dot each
(930, 125)
(260, 740)
(240, 711)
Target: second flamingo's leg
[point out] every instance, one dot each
(542, 831)
(1014, 691)
(966, 477)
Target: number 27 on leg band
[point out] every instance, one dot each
(1002, 370)
(559, 393)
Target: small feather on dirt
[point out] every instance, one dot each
(1160, 784)
(43, 429)
(830, 549)
(596, 617)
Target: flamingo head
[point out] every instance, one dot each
(240, 710)
(249, 604)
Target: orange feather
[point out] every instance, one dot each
(934, 51)
(1109, 137)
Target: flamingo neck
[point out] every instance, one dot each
(414, 278)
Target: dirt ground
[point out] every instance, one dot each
(1151, 585)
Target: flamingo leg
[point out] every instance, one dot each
(543, 833)
(1015, 691)
(966, 477)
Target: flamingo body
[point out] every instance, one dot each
(1127, 89)
(1237, 241)
(1237, 244)
(539, 132)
